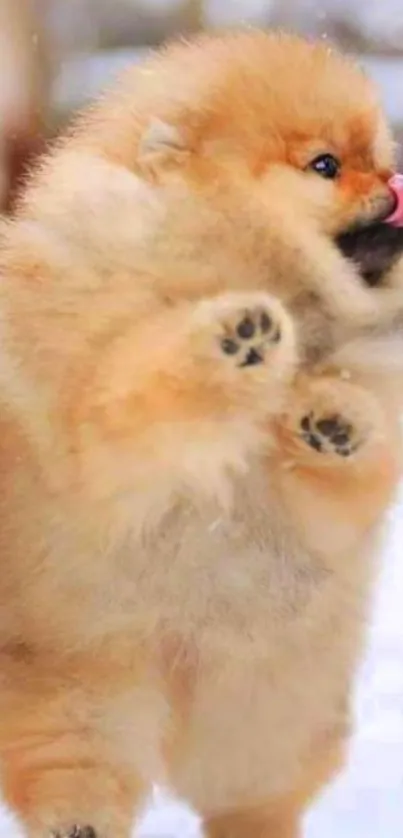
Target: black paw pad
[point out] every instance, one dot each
(331, 434)
(250, 337)
(246, 328)
(230, 347)
(266, 323)
(252, 358)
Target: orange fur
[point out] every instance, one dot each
(185, 578)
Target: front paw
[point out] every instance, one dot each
(332, 418)
(249, 334)
(331, 434)
(247, 337)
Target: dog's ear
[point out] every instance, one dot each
(161, 147)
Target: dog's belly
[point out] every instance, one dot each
(255, 725)
(270, 637)
(254, 637)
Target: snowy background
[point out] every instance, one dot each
(55, 55)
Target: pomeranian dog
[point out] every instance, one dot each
(201, 380)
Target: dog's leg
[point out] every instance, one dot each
(281, 818)
(338, 460)
(188, 392)
(68, 769)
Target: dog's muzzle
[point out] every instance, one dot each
(376, 247)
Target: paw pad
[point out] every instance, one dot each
(329, 434)
(250, 336)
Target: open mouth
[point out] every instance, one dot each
(374, 249)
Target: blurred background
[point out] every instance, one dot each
(56, 54)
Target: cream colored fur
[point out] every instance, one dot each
(185, 580)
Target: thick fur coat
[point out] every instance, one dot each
(200, 398)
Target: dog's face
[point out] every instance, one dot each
(274, 159)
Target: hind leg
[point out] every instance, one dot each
(66, 772)
(281, 818)
(252, 824)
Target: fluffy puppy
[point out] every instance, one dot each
(191, 492)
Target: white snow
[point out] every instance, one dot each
(367, 800)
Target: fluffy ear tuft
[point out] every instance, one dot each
(161, 146)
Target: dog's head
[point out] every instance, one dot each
(273, 160)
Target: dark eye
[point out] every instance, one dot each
(326, 166)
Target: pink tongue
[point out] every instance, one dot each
(396, 186)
